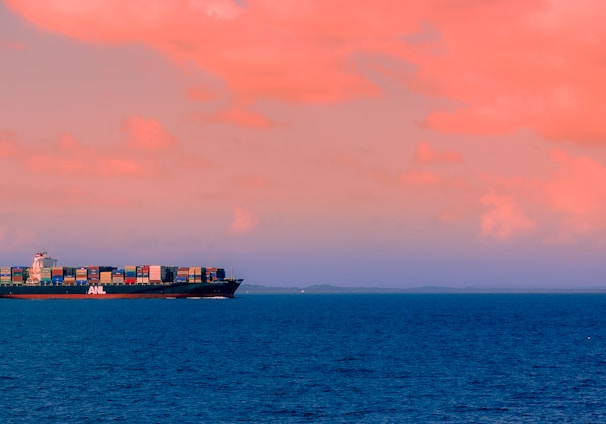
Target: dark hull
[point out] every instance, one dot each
(224, 288)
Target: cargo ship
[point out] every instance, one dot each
(45, 280)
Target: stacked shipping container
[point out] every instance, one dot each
(57, 275)
(5, 275)
(142, 274)
(118, 276)
(17, 274)
(182, 274)
(106, 277)
(155, 274)
(82, 276)
(69, 275)
(195, 274)
(93, 274)
(130, 274)
(45, 276)
(211, 274)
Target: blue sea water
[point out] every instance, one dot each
(376, 358)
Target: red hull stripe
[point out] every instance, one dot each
(110, 296)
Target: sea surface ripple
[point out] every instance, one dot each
(371, 358)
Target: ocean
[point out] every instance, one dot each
(325, 358)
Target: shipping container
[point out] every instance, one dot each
(57, 275)
(5, 275)
(81, 275)
(93, 274)
(195, 274)
(45, 276)
(155, 274)
(118, 276)
(130, 274)
(182, 274)
(142, 274)
(105, 277)
(211, 274)
(169, 273)
(17, 274)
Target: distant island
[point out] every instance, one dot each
(330, 289)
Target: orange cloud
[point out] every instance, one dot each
(243, 221)
(504, 218)
(424, 153)
(148, 134)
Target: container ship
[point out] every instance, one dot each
(45, 280)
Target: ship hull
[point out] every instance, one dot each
(224, 288)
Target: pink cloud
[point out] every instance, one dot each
(56, 164)
(362, 168)
(535, 65)
(9, 144)
(201, 94)
(506, 64)
(240, 117)
(419, 178)
(578, 191)
(251, 182)
(292, 50)
(7, 149)
(110, 167)
(69, 158)
(504, 217)
(424, 153)
(243, 221)
(148, 134)
(12, 45)
(219, 9)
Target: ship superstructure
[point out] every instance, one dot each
(41, 261)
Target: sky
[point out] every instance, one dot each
(298, 142)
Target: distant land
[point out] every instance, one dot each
(330, 289)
